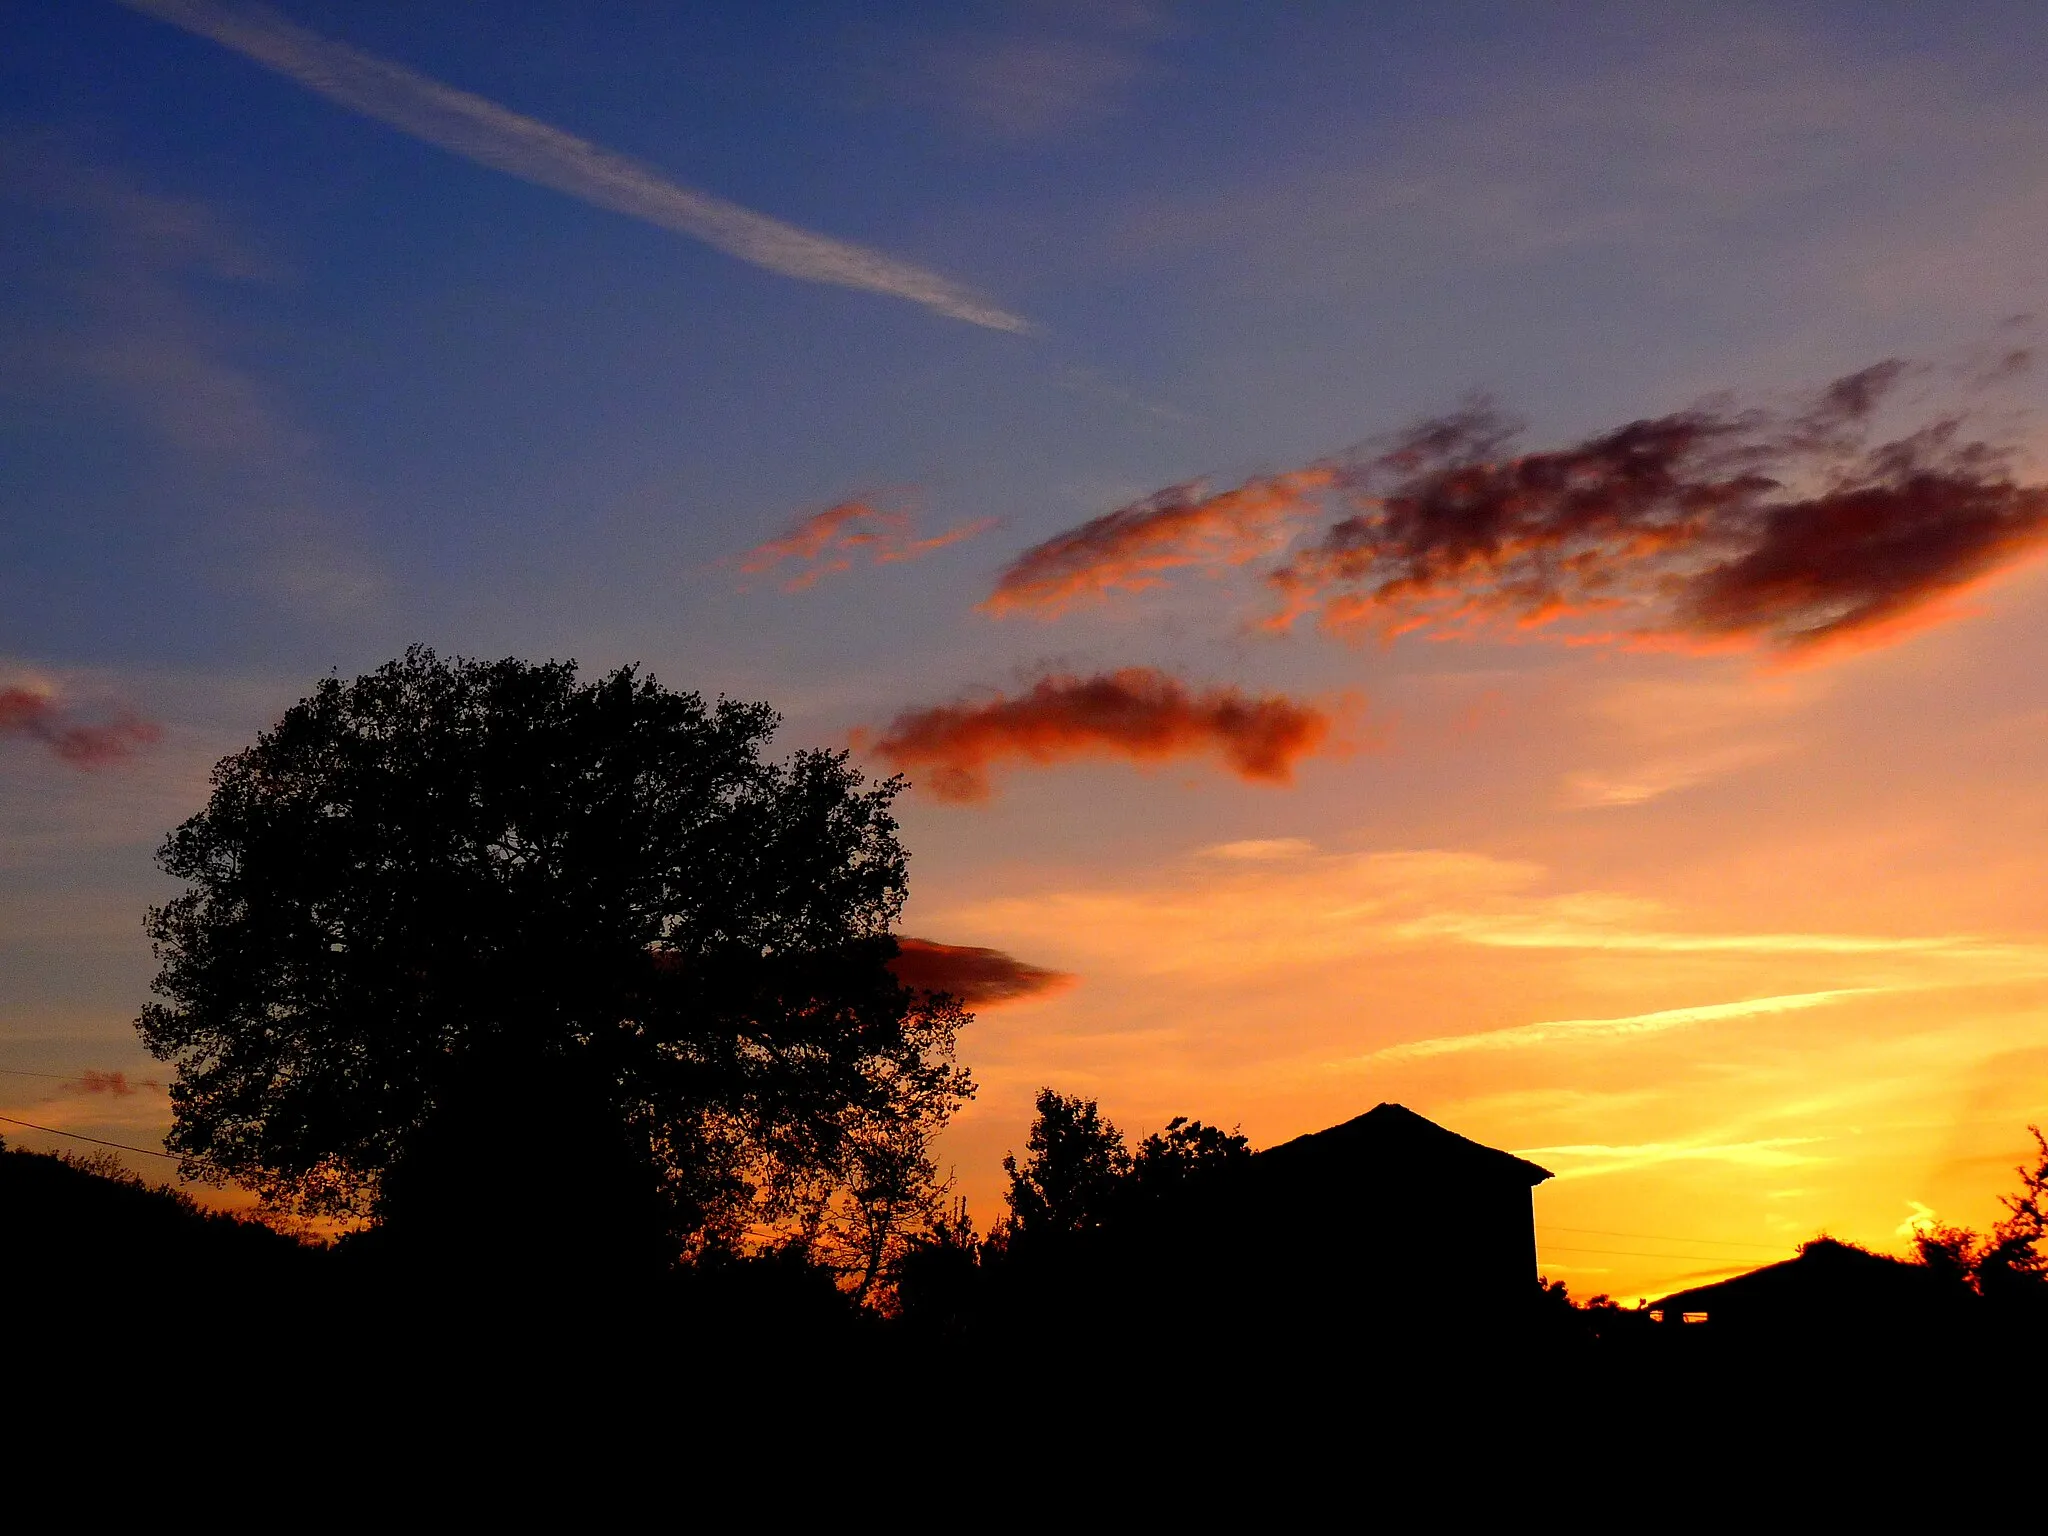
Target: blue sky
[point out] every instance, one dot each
(285, 389)
(1244, 238)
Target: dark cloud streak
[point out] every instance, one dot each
(1136, 713)
(1798, 532)
(1703, 528)
(41, 717)
(979, 978)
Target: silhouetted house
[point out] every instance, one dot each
(1357, 1231)
(1394, 1206)
(1830, 1288)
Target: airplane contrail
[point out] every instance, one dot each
(483, 131)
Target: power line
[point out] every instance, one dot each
(51, 1130)
(78, 1076)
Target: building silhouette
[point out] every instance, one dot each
(1384, 1234)
(1393, 1211)
(1832, 1289)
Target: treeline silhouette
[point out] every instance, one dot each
(1123, 1322)
(576, 1011)
(1102, 1246)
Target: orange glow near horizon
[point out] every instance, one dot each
(1729, 1093)
(1741, 955)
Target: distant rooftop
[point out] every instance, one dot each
(1827, 1276)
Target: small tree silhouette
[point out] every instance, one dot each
(1073, 1170)
(2008, 1265)
(2011, 1262)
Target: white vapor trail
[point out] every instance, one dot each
(489, 134)
(1571, 1031)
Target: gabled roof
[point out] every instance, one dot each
(1826, 1274)
(1393, 1138)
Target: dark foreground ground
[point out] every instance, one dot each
(124, 1305)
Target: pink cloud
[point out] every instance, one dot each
(1183, 525)
(1800, 533)
(40, 716)
(842, 536)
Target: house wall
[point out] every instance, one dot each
(1395, 1241)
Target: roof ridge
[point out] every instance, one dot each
(1415, 1129)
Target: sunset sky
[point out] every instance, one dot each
(1485, 556)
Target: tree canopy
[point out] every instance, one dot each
(1074, 1167)
(1078, 1175)
(454, 924)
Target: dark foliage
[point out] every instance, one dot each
(1091, 1229)
(118, 1286)
(1183, 1156)
(1073, 1171)
(2015, 1263)
(1078, 1175)
(2008, 1267)
(472, 947)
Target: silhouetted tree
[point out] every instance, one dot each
(1073, 1170)
(2009, 1264)
(936, 1279)
(2012, 1264)
(479, 942)
(891, 1195)
(1950, 1252)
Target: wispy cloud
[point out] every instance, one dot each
(1258, 923)
(833, 540)
(40, 715)
(1578, 1031)
(489, 134)
(1582, 923)
(1129, 549)
(1588, 789)
(1039, 71)
(92, 1080)
(117, 307)
(1589, 1159)
(1033, 87)
(1261, 849)
(1800, 533)
(1136, 713)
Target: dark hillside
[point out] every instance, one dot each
(84, 1236)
